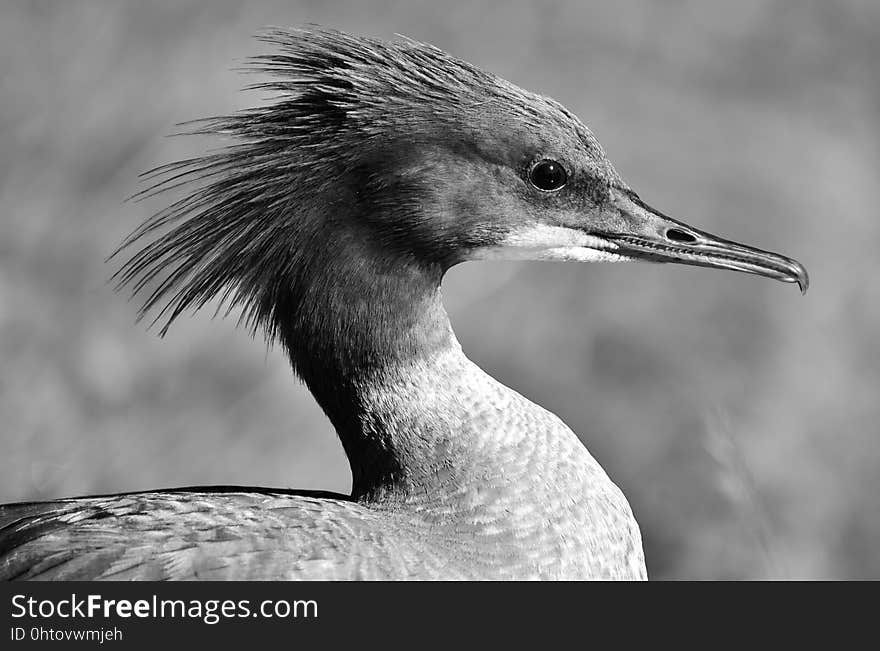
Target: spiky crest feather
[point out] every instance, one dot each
(237, 235)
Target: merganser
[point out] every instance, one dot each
(330, 222)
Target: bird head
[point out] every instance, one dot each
(410, 157)
(466, 165)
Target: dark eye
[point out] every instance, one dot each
(548, 175)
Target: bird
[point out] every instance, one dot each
(327, 221)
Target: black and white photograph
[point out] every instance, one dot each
(436, 291)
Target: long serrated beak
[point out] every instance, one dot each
(638, 231)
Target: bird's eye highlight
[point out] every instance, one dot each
(548, 175)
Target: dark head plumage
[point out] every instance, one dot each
(358, 125)
(399, 157)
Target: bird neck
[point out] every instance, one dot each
(433, 438)
(417, 419)
(358, 326)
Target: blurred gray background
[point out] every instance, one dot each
(741, 419)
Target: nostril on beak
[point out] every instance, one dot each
(677, 235)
